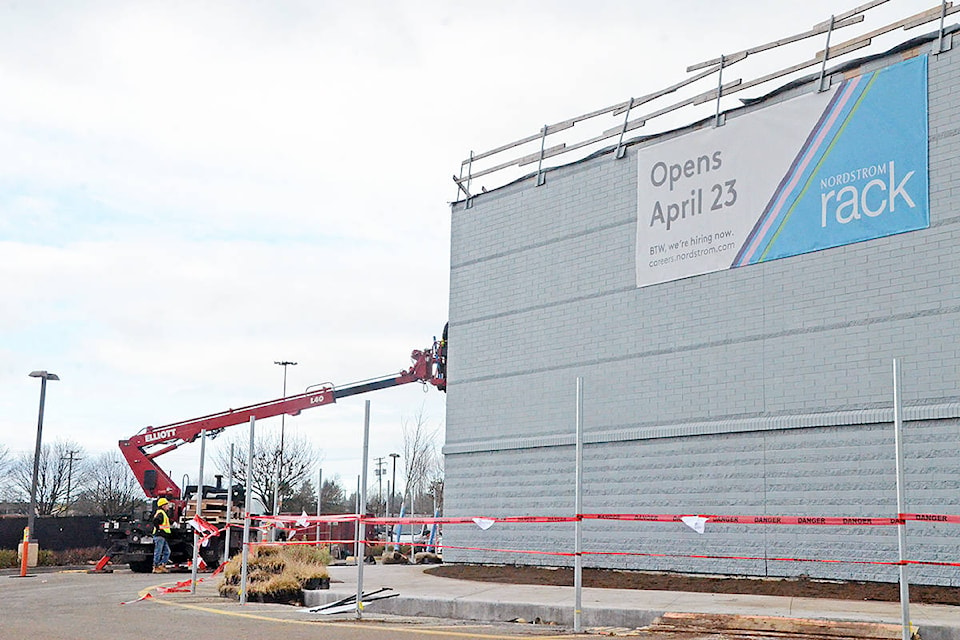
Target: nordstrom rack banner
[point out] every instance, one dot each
(818, 171)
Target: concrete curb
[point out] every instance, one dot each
(489, 611)
(492, 611)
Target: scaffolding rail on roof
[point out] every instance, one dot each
(504, 157)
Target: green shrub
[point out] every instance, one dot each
(48, 558)
(8, 558)
(45, 558)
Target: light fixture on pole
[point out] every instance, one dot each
(380, 471)
(31, 515)
(283, 416)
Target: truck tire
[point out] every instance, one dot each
(212, 560)
(141, 566)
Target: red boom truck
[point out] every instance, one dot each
(129, 539)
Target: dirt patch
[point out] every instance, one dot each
(613, 579)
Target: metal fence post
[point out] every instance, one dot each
(578, 545)
(248, 505)
(902, 527)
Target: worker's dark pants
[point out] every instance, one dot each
(161, 550)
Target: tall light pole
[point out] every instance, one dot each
(32, 514)
(283, 416)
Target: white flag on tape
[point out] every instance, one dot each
(484, 523)
(302, 520)
(694, 522)
(203, 527)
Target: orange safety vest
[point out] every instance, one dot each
(164, 524)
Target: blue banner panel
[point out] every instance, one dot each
(861, 175)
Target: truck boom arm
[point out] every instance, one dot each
(142, 450)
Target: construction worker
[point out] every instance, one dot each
(161, 531)
(442, 365)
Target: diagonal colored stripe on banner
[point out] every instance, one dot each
(816, 168)
(763, 238)
(808, 151)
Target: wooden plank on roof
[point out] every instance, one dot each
(493, 169)
(856, 10)
(929, 14)
(834, 52)
(509, 145)
(552, 128)
(670, 89)
(599, 112)
(595, 139)
(920, 21)
(631, 125)
(547, 153)
(816, 30)
(707, 96)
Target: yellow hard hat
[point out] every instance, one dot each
(162, 501)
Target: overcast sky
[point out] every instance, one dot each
(190, 191)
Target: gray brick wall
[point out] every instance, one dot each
(764, 390)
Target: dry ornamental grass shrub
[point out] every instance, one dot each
(275, 574)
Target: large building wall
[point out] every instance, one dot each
(762, 390)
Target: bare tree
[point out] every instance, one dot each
(110, 487)
(55, 473)
(6, 460)
(419, 455)
(299, 458)
(435, 482)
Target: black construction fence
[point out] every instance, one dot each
(54, 534)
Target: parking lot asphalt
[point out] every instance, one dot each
(75, 605)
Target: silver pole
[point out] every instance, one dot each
(196, 533)
(356, 529)
(393, 490)
(826, 56)
(277, 499)
(363, 502)
(901, 509)
(32, 514)
(943, 15)
(716, 121)
(248, 506)
(226, 528)
(540, 181)
(319, 497)
(578, 545)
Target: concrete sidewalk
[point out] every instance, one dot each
(426, 595)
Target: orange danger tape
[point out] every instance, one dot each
(308, 521)
(794, 520)
(931, 517)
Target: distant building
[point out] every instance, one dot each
(13, 508)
